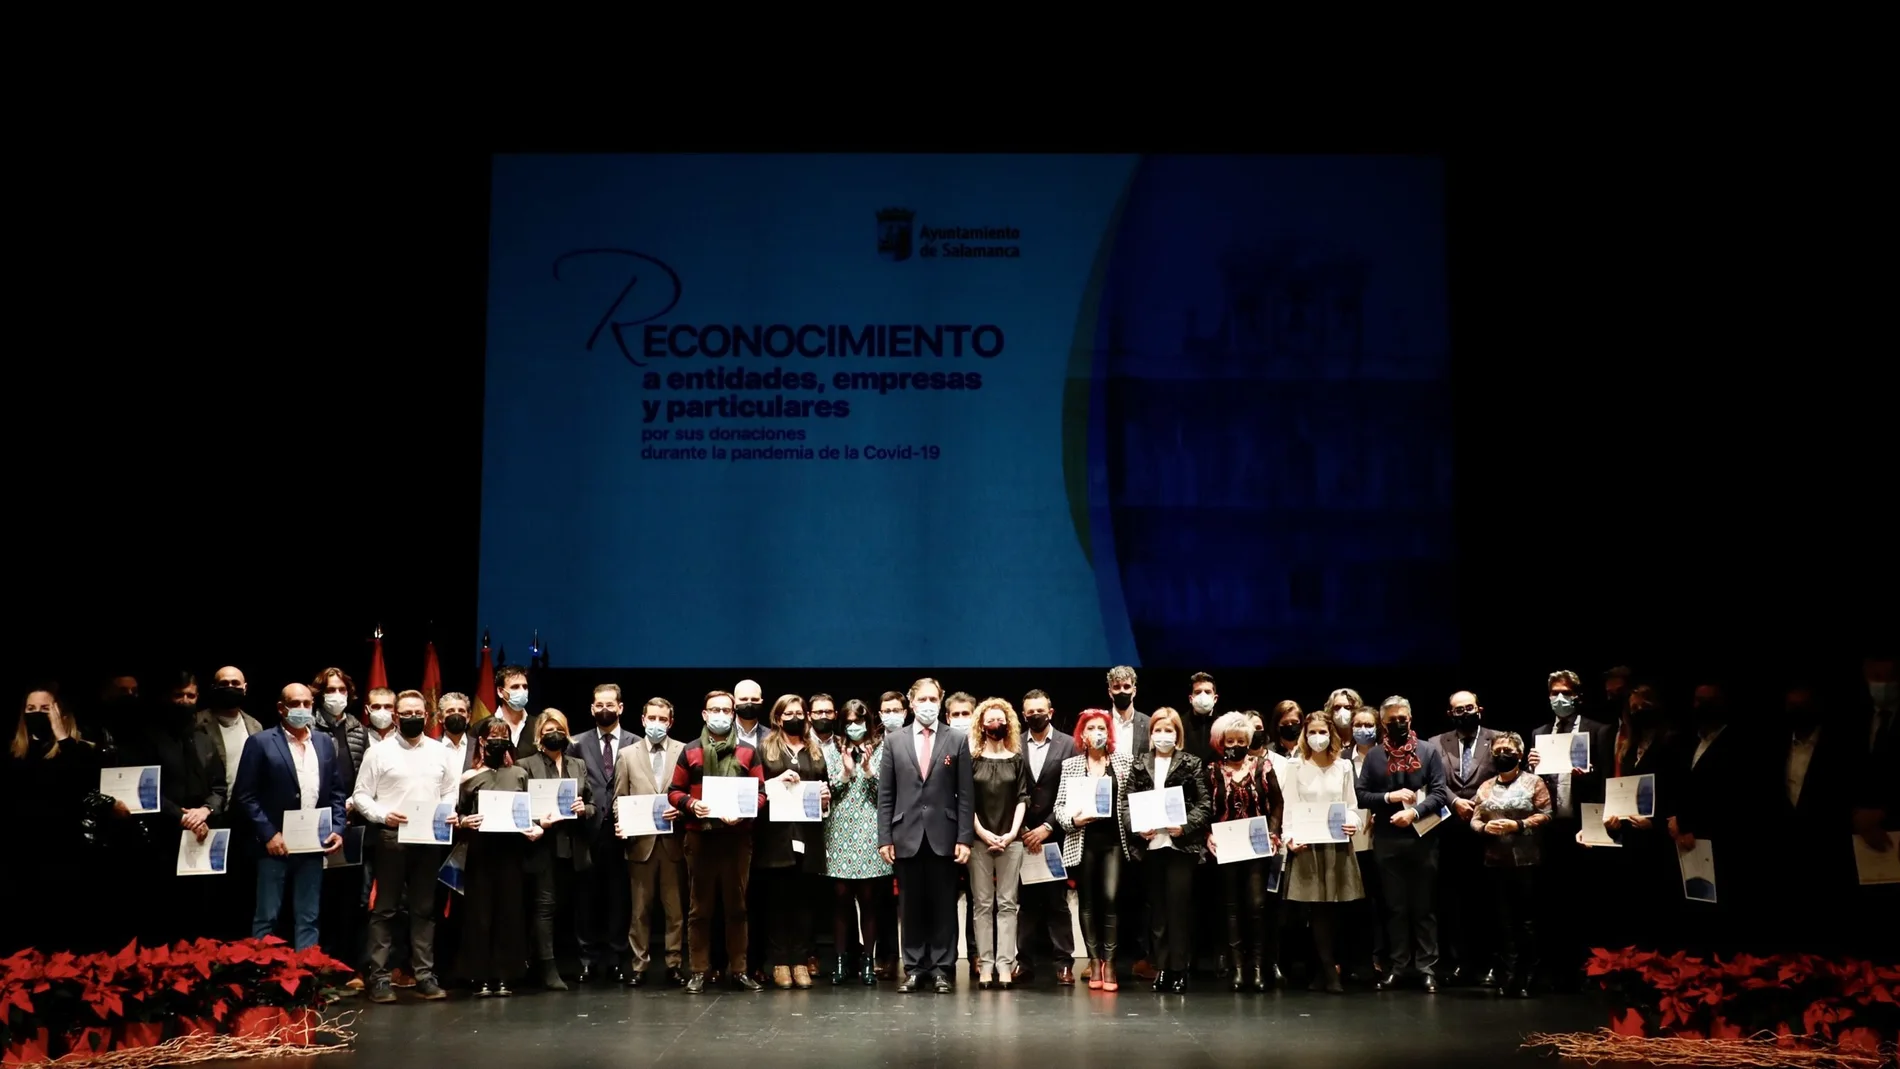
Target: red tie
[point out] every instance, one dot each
(923, 756)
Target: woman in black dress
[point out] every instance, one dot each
(788, 858)
(495, 935)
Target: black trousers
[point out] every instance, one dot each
(885, 899)
(1464, 930)
(1514, 907)
(1098, 890)
(603, 904)
(1170, 885)
(1253, 914)
(1408, 877)
(927, 898)
(785, 894)
(553, 889)
(1046, 928)
(343, 917)
(1572, 923)
(405, 888)
(1362, 939)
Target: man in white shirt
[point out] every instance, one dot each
(224, 718)
(410, 769)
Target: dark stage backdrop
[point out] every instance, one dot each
(283, 446)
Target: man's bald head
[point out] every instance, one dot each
(748, 690)
(229, 676)
(294, 695)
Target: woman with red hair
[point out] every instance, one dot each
(1093, 848)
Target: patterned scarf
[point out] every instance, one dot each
(721, 758)
(1403, 759)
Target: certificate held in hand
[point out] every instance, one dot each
(1092, 797)
(1044, 866)
(428, 823)
(1561, 752)
(1629, 796)
(730, 797)
(552, 799)
(1156, 810)
(135, 785)
(503, 810)
(1241, 840)
(1318, 822)
(641, 814)
(207, 858)
(794, 803)
(306, 830)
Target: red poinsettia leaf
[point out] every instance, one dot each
(1630, 1024)
(183, 985)
(219, 1009)
(18, 998)
(290, 984)
(1860, 1039)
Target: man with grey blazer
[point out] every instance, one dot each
(655, 867)
(1463, 915)
(925, 823)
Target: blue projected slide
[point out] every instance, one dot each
(968, 411)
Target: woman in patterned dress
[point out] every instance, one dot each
(851, 858)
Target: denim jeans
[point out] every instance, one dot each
(303, 873)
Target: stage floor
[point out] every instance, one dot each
(1040, 1027)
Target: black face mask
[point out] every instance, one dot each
(1232, 753)
(996, 731)
(39, 726)
(1504, 762)
(606, 718)
(495, 752)
(1122, 699)
(795, 727)
(455, 723)
(1641, 714)
(224, 699)
(1259, 740)
(1289, 732)
(1398, 733)
(410, 726)
(1037, 721)
(1468, 723)
(824, 726)
(747, 710)
(554, 743)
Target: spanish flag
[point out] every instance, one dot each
(482, 694)
(432, 688)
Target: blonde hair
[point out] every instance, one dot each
(1351, 695)
(1165, 714)
(1324, 720)
(912, 695)
(775, 742)
(1014, 740)
(1228, 724)
(23, 741)
(549, 716)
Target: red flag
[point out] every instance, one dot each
(378, 675)
(482, 695)
(432, 688)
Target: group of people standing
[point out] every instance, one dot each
(936, 813)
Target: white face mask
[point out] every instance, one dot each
(380, 719)
(334, 704)
(1163, 742)
(1319, 743)
(926, 713)
(961, 725)
(1203, 703)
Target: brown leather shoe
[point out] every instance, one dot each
(801, 977)
(1065, 975)
(781, 977)
(1143, 970)
(402, 978)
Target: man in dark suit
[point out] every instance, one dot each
(1725, 765)
(925, 824)
(284, 768)
(1045, 906)
(1570, 919)
(1400, 784)
(1464, 909)
(191, 798)
(227, 901)
(604, 901)
(1128, 730)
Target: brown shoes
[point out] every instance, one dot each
(801, 977)
(1065, 975)
(781, 977)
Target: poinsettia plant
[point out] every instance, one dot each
(64, 993)
(1800, 998)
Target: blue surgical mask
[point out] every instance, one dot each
(656, 733)
(719, 723)
(856, 732)
(1365, 736)
(892, 721)
(926, 713)
(300, 718)
(518, 699)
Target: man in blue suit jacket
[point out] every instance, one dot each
(925, 824)
(284, 768)
(603, 902)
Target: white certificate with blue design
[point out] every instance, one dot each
(1629, 796)
(641, 814)
(1241, 840)
(135, 785)
(553, 799)
(1043, 866)
(1091, 796)
(306, 830)
(794, 803)
(1156, 810)
(207, 858)
(1318, 822)
(503, 810)
(428, 822)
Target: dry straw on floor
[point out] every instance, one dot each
(1761, 1049)
(337, 1034)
